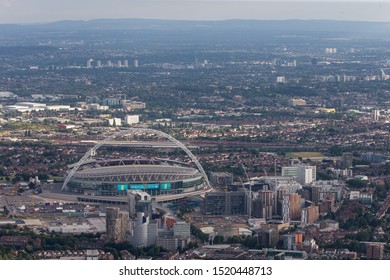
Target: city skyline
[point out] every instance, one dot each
(40, 11)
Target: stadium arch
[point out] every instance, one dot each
(125, 132)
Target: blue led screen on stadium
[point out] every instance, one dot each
(152, 187)
(137, 187)
(123, 187)
(165, 186)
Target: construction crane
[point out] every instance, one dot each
(250, 192)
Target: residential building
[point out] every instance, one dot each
(117, 224)
(374, 250)
(310, 214)
(268, 238)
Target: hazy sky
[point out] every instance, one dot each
(34, 11)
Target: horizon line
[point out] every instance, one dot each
(190, 20)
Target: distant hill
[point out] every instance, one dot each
(237, 33)
(258, 25)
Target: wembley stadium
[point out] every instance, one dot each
(158, 177)
(107, 180)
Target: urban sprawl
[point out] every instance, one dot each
(229, 140)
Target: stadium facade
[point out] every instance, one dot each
(157, 177)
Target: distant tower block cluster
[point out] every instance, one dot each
(89, 63)
(109, 63)
(384, 76)
(375, 115)
(330, 50)
(281, 80)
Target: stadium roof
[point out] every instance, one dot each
(137, 169)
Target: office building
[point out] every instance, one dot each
(371, 157)
(171, 243)
(306, 174)
(181, 229)
(111, 101)
(225, 203)
(131, 119)
(297, 102)
(290, 171)
(129, 105)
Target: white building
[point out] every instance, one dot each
(115, 122)
(58, 108)
(171, 243)
(289, 184)
(375, 115)
(330, 50)
(306, 174)
(97, 107)
(144, 232)
(182, 229)
(290, 171)
(132, 105)
(131, 119)
(281, 79)
(7, 95)
(297, 102)
(89, 63)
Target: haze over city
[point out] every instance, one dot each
(38, 11)
(190, 130)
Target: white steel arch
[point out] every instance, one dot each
(129, 131)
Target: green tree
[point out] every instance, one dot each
(356, 183)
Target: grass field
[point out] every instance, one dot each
(305, 154)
